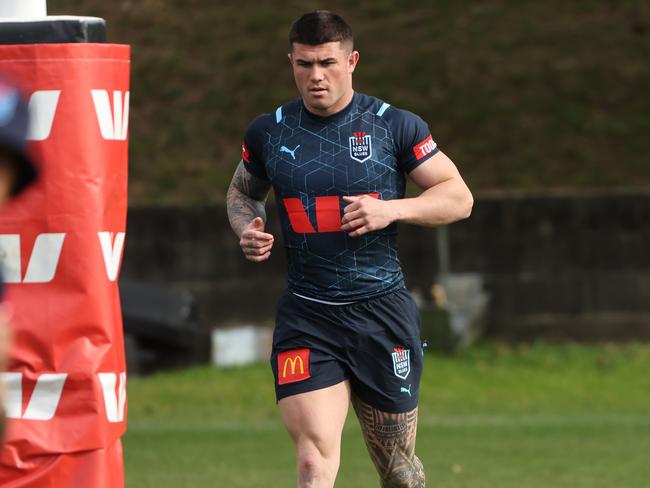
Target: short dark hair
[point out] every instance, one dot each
(320, 27)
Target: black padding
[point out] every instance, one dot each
(54, 31)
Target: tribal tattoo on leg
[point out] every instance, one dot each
(390, 439)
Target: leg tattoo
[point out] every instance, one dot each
(390, 438)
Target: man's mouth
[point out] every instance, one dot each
(318, 89)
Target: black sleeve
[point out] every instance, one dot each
(253, 147)
(413, 141)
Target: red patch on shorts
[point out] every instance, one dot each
(293, 366)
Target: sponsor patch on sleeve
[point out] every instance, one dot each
(293, 366)
(245, 155)
(424, 148)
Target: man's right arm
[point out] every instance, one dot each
(245, 203)
(246, 198)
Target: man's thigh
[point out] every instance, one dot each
(307, 352)
(386, 362)
(317, 417)
(390, 439)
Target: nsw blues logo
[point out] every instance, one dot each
(401, 362)
(360, 146)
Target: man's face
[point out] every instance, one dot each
(323, 75)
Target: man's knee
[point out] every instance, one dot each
(405, 475)
(314, 463)
(309, 459)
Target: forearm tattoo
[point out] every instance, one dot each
(390, 438)
(245, 198)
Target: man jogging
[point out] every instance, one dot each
(346, 328)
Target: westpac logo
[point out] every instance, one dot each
(44, 259)
(113, 124)
(46, 396)
(43, 402)
(293, 366)
(112, 245)
(360, 146)
(42, 108)
(328, 214)
(113, 119)
(114, 391)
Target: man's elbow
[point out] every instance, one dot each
(466, 205)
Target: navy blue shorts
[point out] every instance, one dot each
(375, 344)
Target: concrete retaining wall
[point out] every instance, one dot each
(556, 267)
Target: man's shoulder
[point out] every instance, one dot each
(267, 120)
(260, 122)
(385, 110)
(292, 107)
(410, 133)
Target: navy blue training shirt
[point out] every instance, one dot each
(313, 161)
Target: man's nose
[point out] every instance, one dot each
(316, 73)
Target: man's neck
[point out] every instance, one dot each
(339, 106)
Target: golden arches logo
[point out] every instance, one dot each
(292, 362)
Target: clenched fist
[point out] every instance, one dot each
(365, 214)
(256, 243)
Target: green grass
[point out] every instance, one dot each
(493, 416)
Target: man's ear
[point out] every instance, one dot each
(353, 59)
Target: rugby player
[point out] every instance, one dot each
(346, 328)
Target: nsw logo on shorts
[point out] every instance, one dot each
(401, 362)
(293, 366)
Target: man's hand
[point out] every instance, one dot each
(256, 243)
(365, 214)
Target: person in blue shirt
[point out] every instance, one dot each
(346, 327)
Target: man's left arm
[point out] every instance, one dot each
(445, 198)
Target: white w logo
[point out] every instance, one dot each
(43, 261)
(114, 401)
(42, 108)
(114, 124)
(112, 251)
(43, 402)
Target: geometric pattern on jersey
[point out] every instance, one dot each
(311, 165)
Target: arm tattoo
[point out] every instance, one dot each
(390, 439)
(245, 198)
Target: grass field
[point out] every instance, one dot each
(493, 416)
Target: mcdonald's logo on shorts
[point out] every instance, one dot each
(293, 366)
